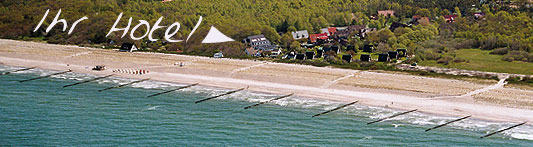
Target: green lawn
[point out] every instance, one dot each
(481, 60)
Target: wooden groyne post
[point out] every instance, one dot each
(281, 97)
(442, 125)
(499, 131)
(119, 86)
(9, 72)
(41, 77)
(179, 88)
(87, 81)
(227, 93)
(335, 109)
(392, 116)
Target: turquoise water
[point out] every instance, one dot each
(42, 113)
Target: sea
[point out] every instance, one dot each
(43, 113)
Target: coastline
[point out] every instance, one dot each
(305, 81)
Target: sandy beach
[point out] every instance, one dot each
(487, 100)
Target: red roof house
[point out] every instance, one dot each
(450, 18)
(314, 37)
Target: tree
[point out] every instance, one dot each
(270, 34)
(458, 12)
(423, 12)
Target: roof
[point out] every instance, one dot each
(300, 34)
(332, 30)
(266, 47)
(314, 37)
(386, 12)
(450, 16)
(256, 37)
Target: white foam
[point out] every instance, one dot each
(523, 132)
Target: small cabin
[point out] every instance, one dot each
(368, 48)
(300, 56)
(128, 47)
(336, 49)
(319, 53)
(347, 58)
(310, 55)
(401, 52)
(393, 54)
(366, 57)
(326, 49)
(383, 57)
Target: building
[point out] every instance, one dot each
(450, 18)
(310, 55)
(366, 57)
(330, 31)
(347, 58)
(262, 46)
(128, 47)
(386, 13)
(300, 34)
(368, 48)
(393, 54)
(344, 33)
(313, 38)
(383, 57)
(479, 15)
(257, 40)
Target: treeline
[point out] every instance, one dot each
(241, 18)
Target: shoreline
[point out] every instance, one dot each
(329, 84)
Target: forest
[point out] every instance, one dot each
(506, 29)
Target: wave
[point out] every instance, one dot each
(524, 132)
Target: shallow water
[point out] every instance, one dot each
(42, 113)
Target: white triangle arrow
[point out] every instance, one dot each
(215, 36)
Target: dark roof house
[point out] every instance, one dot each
(393, 54)
(384, 57)
(319, 53)
(310, 55)
(368, 48)
(366, 57)
(300, 56)
(347, 58)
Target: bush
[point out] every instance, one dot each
(430, 55)
(467, 44)
(500, 51)
(445, 60)
(518, 56)
(459, 60)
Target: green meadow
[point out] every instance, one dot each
(481, 60)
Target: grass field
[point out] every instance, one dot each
(481, 60)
